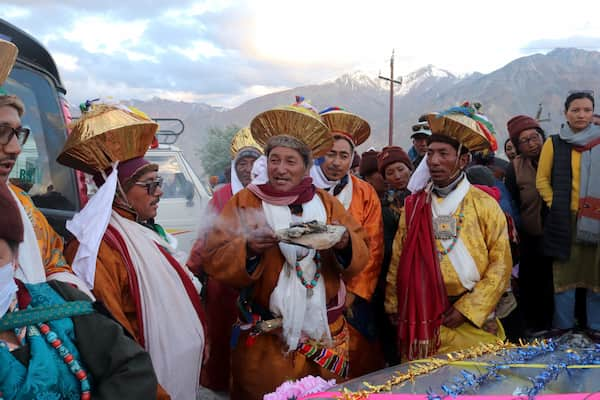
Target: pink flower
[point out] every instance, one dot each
(292, 390)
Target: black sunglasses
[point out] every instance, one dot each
(151, 186)
(419, 127)
(8, 132)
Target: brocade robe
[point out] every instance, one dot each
(484, 233)
(261, 364)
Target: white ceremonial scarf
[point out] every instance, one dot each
(459, 257)
(259, 171)
(31, 267)
(173, 333)
(89, 225)
(321, 181)
(302, 315)
(236, 184)
(420, 177)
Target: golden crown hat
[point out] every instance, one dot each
(300, 120)
(8, 56)
(466, 125)
(241, 140)
(105, 134)
(341, 122)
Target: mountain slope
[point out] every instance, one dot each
(516, 88)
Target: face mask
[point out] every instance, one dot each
(8, 287)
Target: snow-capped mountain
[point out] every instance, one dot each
(517, 88)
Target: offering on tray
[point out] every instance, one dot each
(312, 235)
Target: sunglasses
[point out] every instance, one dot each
(419, 127)
(151, 186)
(8, 132)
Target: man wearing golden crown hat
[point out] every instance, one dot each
(361, 201)
(219, 298)
(291, 305)
(451, 258)
(124, 257)
(40, 253)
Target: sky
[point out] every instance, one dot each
(224, 52)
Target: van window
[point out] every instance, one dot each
(175, 182)
(49, 184)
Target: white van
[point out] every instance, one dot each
(185, 197)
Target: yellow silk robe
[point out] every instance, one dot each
(484, 233)
(49, 242)
(259, 368)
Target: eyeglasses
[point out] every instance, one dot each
(8, 132)
(534, 138)
(151, 186)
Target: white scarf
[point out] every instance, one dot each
(236, 184)
(259, 171)
(302, 315)
(321, 181)
(459, 257)
(172, 330)
(420, 177)
(89, 234)
(31, 267)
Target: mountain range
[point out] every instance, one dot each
(519, 87)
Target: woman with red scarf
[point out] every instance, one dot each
(291, 303)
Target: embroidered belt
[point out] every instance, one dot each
(35, 315)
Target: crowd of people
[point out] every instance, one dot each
(424, 252)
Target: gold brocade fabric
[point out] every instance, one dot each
(243, 139)
(485, 236)
(8, 56)
(466, 336)
(347, 124)
(106, 134)
(49, 242)
(294, 121)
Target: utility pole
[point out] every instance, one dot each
(391, 81)
(538, 115)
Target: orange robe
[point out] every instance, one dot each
(259, 367)
(49, 242)
(111, 287)
(365, 207)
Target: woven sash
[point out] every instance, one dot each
(35, 315)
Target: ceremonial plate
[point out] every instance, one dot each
(312, 235)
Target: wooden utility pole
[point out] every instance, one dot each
(391, 80)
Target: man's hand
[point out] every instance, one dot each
(453, 318)
(344, 241)
(393, 319)
(259, 240)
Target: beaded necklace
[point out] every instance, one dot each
(313, 283)
(446, 251)
(72, 363)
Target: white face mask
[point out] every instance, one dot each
(8, 287)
